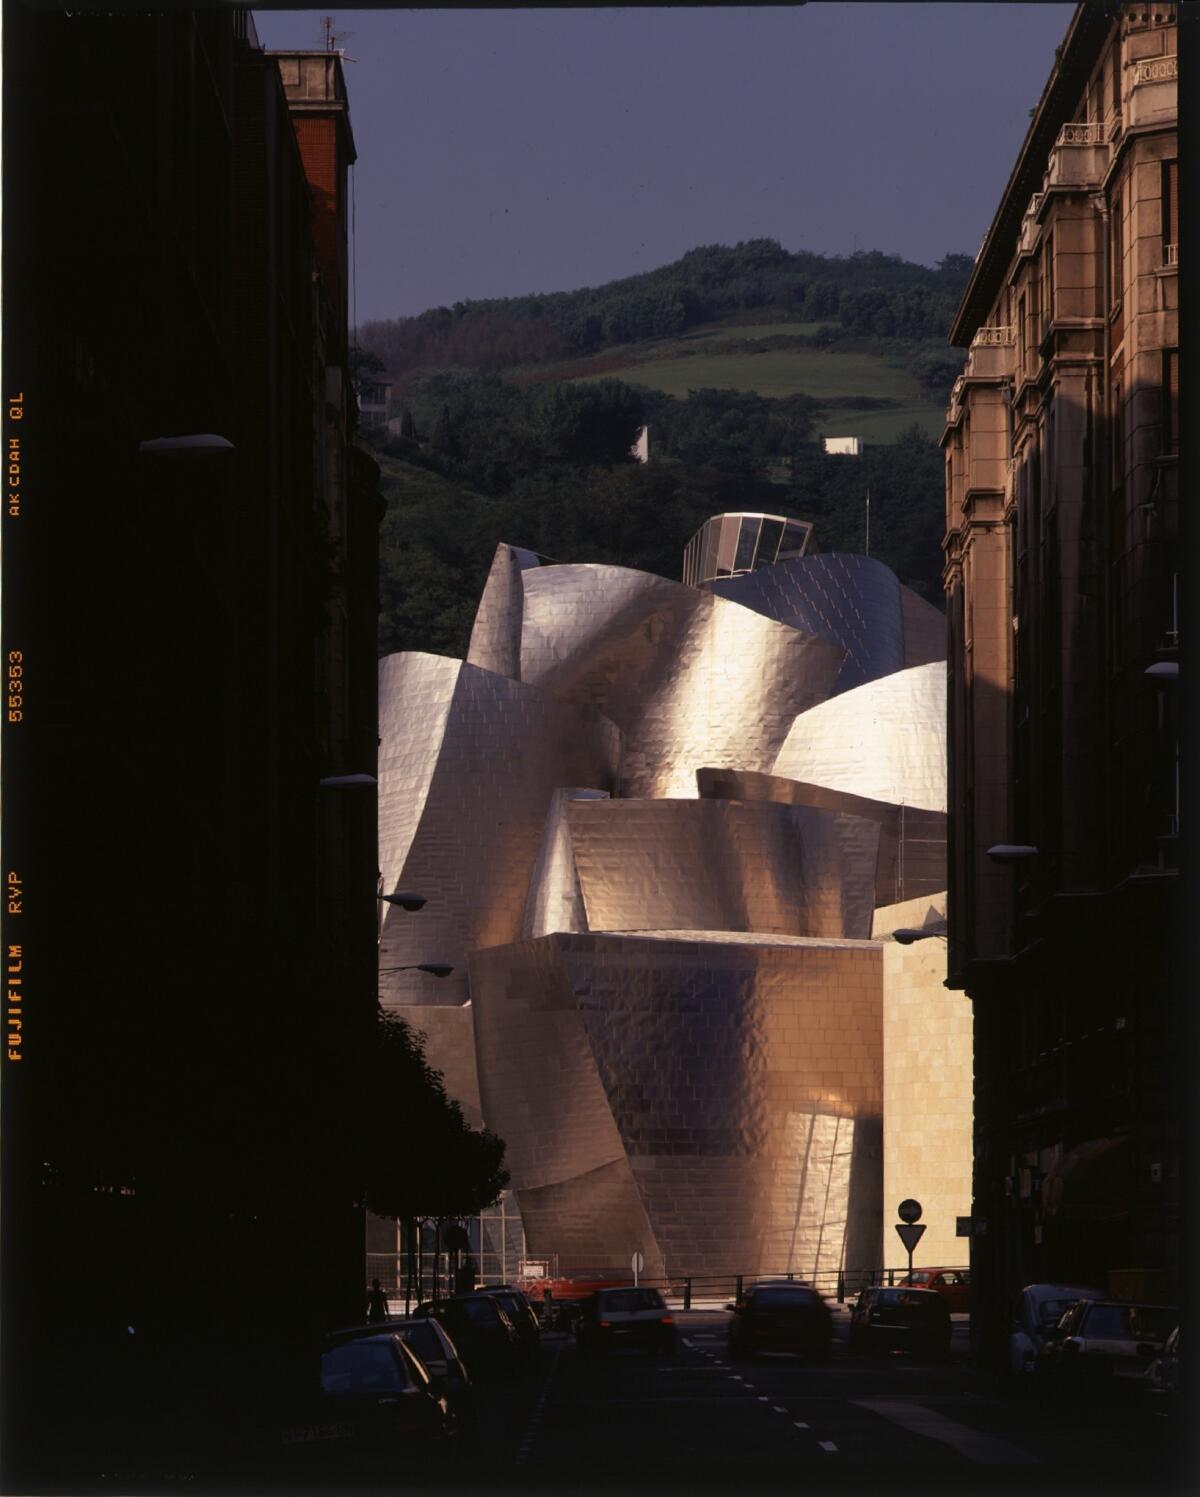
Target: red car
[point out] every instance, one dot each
(953, 1284)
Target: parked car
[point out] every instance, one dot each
(376, 1412)
(1038, 1310)
(1103, 1347)
(1161, 1385)
(479, 1328)
(428, 1340)
(637, 1318)
(785, 1317)
(523, 1317)
(953, 1284)
(900, 1319)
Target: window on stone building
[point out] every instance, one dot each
(1117, 250)
(1170, 398)
(1117, 422)
(1048, 277)
(1035, 313)
(1170, 212)
(1114, 63)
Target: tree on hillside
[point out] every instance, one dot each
(705, 285)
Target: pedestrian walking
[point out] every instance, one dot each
(377, 1305)
(464, 1279)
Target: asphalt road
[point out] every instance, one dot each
(629, 1420)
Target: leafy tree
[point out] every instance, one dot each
(419, 1157)
(873, 294)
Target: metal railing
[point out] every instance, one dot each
(688, 1291)
(1155, 70)
(1083, 133)
(1171, 254)
(994, 337)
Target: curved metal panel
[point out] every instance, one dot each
(500, 750)
(854, 600)
(717, 1057)
(723, 865)
(496, 636)
(688, 678)
(885, 740)
(911, 859)
(555, 899)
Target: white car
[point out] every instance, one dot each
(1038, 1310)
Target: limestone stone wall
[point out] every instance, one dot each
(927, 1091)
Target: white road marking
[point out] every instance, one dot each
(798, 1425)
(531, 1431)
(826, 1444)
(762, 1398)
(777, 1409)
(975, 1445)
(685, 1341)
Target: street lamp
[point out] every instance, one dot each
(435, 969)
(405, 901)
(906, 935)
(196, 444)
(1013, 852)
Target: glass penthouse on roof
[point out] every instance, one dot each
(728, 545)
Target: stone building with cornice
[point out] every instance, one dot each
(1061, 574)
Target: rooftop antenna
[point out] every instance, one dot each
(332, 39)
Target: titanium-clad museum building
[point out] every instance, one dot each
(664, 831)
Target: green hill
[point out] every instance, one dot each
(518, 417)
(752, 317)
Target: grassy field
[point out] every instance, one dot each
(808, 371)
(880, 427)
(733, 331)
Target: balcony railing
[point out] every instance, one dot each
(994, 337)
(1171, 255)
(1085, 133)
(1155, 70)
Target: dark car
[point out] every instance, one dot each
(1038, 1309)
(523, 1317)
(376, 1411)
(901, 1319)
(428, 1340)
(563, 1299)
(635, 1318)
(781, 1318)
(1102, 1348)
(479, 1328)
(1161, 1384)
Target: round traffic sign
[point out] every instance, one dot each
(638, 1262)
(909, 1211)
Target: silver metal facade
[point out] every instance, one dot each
(653, 827)
(714, 1100)
(855, 600)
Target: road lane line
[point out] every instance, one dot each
(531, 1429)
(972, 1443)
(777, 1409)
(826, 1444)
(798, 1425)
(762, 1398)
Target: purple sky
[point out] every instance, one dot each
(502, 152)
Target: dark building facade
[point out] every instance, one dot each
(1062, 581)
(201, 626)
